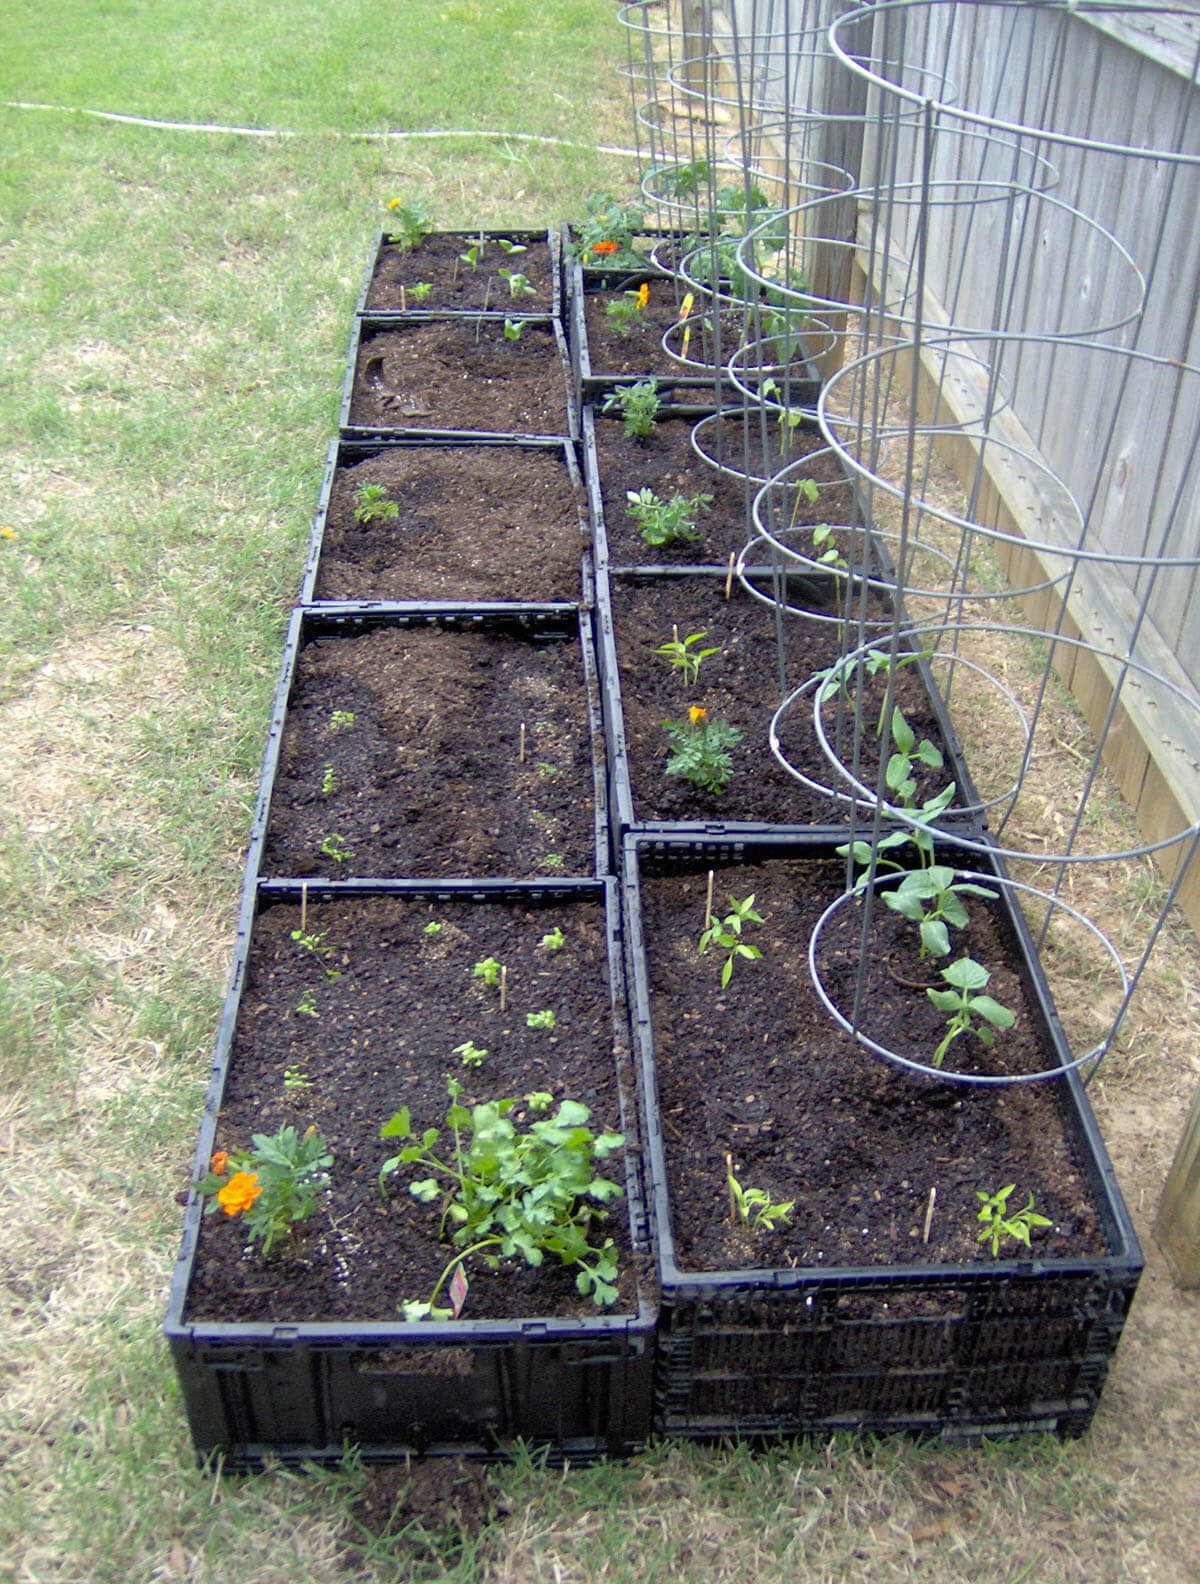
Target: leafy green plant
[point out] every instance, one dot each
(825, 547)
(334, 846)
(998, 1223)
(554, 940)
(307, 1005)
(514, 329)
(666, 522)
(540, 1020)
(309, 942)
(509, 1194)
(624, 313)
(296, 1078)
(702, 747)
(683, 657)
(606, 232)
(753, 1207)
(409, 221)
(932, 899)
(433, 928)
(329, 781)
(519, 285)
(488, 970)
(472, 1055)
(964, 1002)
(275, 1184)
(420, 291)
(371, 504)
(341, 720)
(726, 933)
(508, 246)
(638, 406)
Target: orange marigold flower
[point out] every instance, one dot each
(604, 247)
(239, 1193)
(220, 1163)
(643, 294)
(696, 714)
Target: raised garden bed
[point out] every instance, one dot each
(455, 376)
(398, 749)
(457, 521)
(342, 1008)
(441, 261)
(867, 1309)
(667, 463)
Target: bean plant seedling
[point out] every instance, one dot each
(275, 1184)
(514, 329)
(518, 285)
(508, 1194)
(825, 549)
(680, 653)
(702, 747)
(932, 899)
(726, 933)
(638, 406)
(372, 504)
(753, 1207)
(666, 522)
(965, 1002)
(997, 1223)
(508, 246)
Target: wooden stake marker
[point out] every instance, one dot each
(729, 574)
(929, 1215)
(708, 900)
(503, 988)
(303, 905)
(521, 751)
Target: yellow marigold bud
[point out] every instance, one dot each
(696, 714)
(643, 294)
(219, 1162)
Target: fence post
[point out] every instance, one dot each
(1177, 1226)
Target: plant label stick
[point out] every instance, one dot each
(729, 575)
(403, 303)
(521, 750)
(929, 1215)
(303, 906)
(503, 987)
(708, 899)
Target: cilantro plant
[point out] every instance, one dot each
(666, 522)
(998, 1223)
(275, 1185)
(554, 940)
(371, 504)
(509, 1194)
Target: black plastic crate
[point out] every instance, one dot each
(308, 1391)
(566, 625)
(367, 328)
(386, 242)
(797, 589)
(346, 454)
(959, 1351)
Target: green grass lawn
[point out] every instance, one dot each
(174, 313)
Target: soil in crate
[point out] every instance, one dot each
(475, 523)
(460, 375)
(340, 1036)
(437, 262)
(427, 777)
(667, 464)
(740, 685)
(760, 1072)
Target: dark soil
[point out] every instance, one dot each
(667, 464)
(437, 261)
(760, 1071)
(387, 1007)
(427, 779)
(475, 523)
(741, 686)
(462, 375)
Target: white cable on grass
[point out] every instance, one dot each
(270, 132)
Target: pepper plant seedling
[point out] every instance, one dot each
(727, 934)
(683, 657)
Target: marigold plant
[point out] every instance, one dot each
(275, 1184)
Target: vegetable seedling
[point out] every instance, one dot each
(997, 1223)
(680, 653)
(540, 1020)
(753, 1207)
(964, 1002)
(554, 940)
(666, 522)
(373, 504)
(726, 933)
(638, 406)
